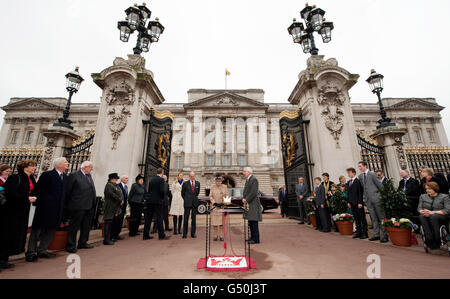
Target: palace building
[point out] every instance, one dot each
(221, 131)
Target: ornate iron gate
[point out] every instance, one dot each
(372, 154)
(80, 151)
(438, 158)
(295, 158)
(158, 149)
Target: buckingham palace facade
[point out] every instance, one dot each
(235, 127)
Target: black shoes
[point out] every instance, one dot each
(168, 229)
(252, 242)
(384, 240)
(184, 237)
(301, 222)
(194, 236)
(364, 236)
(165, 238)
(32, 258)
(356, 236)
(6, 265)
(71, 250)
(374, 239)
(148, 237)
(108, 242)
(46, 255)
(85, 246)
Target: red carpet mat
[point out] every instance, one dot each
(227, 264)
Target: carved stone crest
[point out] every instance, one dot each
(47, 155)
(400, 152)
(120, 98)
(227, 101)
(332, 99)
(117, 122)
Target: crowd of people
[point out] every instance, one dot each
(428, 200)
(59, 196)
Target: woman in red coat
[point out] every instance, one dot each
(15, 213)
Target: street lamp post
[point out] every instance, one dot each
(136, 20)
(73, 83)
(376, 85)
(315, 22)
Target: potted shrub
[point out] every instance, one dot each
(312, 217)
(344, 223)
(60, 238)
(396, 209)
(399, 231)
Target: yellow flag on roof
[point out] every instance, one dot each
(227, 72)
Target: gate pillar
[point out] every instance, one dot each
(322, 93)
(129, 93)
(391, 139)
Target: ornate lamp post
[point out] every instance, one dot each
(136, 20)
(73, 83)
(376, 85)
(315, 22)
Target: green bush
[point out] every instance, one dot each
(393, 202)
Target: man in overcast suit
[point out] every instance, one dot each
(80, 200)
(190, 191)
(251, 196)
(302, 190)
(371, 185)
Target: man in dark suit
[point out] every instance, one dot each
(190, 191)
(327, 184)
(117, 223)
(154, 202)
(411, 187)
(167, 197)
(80, 200)
(356, 203)
(282, 199)
(322, 207)
(251, 196)
(302, 190)
(381, 176)
(50, 192)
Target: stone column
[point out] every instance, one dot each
(129, 93)
(391, 139)
(323, 94)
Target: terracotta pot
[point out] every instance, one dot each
(345, 227)
(313, 221)
(102, 225)
(400, 236)
(59, 241)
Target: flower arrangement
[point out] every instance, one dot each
(397, 223)
(342, 218)
(311, 214)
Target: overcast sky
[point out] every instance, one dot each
(405, 40)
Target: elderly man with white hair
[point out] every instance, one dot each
(251, 196)
(50, 193)
(80, 200)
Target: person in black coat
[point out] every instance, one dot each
(356, 203)
(282, 199)
(154, 201)
(190, 191)
(50, 193)
(117, 223)
(382, 177)
(136, 201)
(327, 184)
(323, 214)
(166, 204)
(80, 200)
(411, 187)
(19, 191)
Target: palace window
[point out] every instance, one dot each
(430, 135)
(418, 135)
(405, 139)
(41, 139)
(210, 160)
(226, 160)
(14, 135)
(29, 136)
(242, 160)
(178, 162)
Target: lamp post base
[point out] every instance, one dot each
(384, 123)
(63, 123)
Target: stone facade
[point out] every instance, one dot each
(204, 142)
